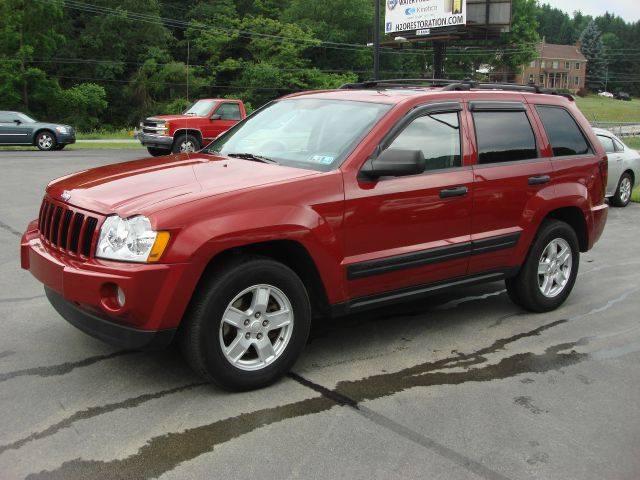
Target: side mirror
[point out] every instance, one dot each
(216, 116)
(394, 162)
(18, 121)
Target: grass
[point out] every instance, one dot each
(87, 146)
(122, 134)
(602, 109)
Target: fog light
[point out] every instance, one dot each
(120, 297)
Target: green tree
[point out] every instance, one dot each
(593, 49)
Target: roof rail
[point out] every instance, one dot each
(466, 84)
(399, 82)
(514, 87)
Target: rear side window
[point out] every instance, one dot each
(619, 146)
(438, 137)
(504, 137)
(607, 143)
(563, 132)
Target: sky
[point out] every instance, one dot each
(629, 10)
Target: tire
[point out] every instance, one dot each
(185, 144)
(156, 152)
(229, 341)
(623, 193)
(555, 249)
(46, 141)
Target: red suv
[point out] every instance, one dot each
(323, 203)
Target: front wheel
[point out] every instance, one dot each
(550, 270)
(623, 192)
(186, 144)
(45, 141)
(247, 324)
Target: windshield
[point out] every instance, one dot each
(200, 109)
(302, 132)
(25, 119)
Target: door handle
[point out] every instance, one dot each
(539, 180)
(453, 192)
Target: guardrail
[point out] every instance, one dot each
(621, 129)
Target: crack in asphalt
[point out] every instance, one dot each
(92, 412)
(10, 229)
(20, 299)
(62, 368)
(165, 452)
(6, 353)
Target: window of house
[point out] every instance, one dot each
(576, 81)
(533, 64)
(504, 137)
(577, 65)
(556, 64)
(567, 65)
(607, 143)
(531, 78)
(543, 64)
(228, 111)
(541, 79)
(438, 137)
(563, 132)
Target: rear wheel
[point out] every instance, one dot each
(247, 323)
(156, 152)
(45, 141)
(186, 144)
(550, 270)
(623, 192)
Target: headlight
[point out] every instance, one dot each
(62, 129)
(130, 239)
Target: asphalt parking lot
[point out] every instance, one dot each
(463, 387)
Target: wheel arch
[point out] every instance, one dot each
(44, 129)
(288, 252)
(574, 217)
(188, 131)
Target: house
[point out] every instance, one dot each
(557, 66)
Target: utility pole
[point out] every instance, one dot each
(606, 78)
(376, 42)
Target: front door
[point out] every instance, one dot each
(412, 230)
(12, 133)
(225, 116)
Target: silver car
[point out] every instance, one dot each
(624, 168)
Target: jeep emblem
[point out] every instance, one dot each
(66, 195)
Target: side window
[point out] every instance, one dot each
(563, 132)
(228, 111)
(7, 117)
(504, 137)
(438, 137)
(619, 146)
(607, 143)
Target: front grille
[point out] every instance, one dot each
(153, 126)
(67, 229)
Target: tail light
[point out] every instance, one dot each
(604, 173)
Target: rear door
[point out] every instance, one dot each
(411, 230)
(509, 171)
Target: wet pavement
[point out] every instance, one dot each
(464, 386)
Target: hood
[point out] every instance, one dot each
(172, 118)
(151, 184)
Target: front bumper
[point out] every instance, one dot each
(156, 141)
(84, 293)
(66, 138)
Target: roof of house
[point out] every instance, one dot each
(551, 50)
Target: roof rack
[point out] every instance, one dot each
(456, 85)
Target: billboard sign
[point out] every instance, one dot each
(423, 15)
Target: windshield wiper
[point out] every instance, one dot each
(252, 157)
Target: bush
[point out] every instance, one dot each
(82, 105)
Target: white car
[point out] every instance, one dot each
(606, 94)
(624, 168)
